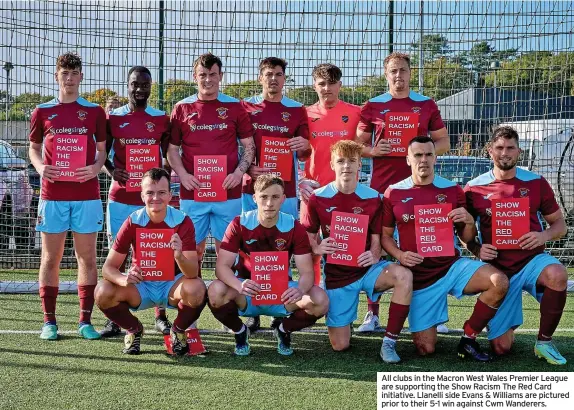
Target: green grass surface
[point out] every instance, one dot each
(74, 373)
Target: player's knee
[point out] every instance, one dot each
(50, 262)
(402, 277)
(193, 292)
(216, 293)
(340, 345)
(424, 347)
(87, 259)
(556, 277)
(320, 303)
(500, 283)
(104, 293)
(501, 346)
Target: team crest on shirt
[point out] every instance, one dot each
(222, 113)
(285, 116)
(82, 115)
(523, 192)
(489, 211)
(150, 126)
(416, 110)
(314, 134)
(280, 244)
(441, 198)
(357, 210)
(345, 118)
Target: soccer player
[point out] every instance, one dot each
(529, 268)
(134, 125)
(435, 277)
(274, 115)
(388, 170)
(61, 127)
(344, 283)
(210, 123)
(118, 293)
(265, 229)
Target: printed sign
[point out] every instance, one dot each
(211, 171)
(139, 159)
(154, 254)
(194, 343)
(277, 156)
(434, 230)
(350, 233)
(400, 129)
(510, 220)
(69, 154)
(271, 271)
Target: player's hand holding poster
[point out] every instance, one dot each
(400, 129)
(271, 271)
(434, 230)
(140, 159)
(69, 154)
(350, 233)
(277, 156)
(210, 171)
(510, 221)
(154, 254)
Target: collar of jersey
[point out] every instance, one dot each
(173, 217)
(285, 223)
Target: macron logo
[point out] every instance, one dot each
(487, 196)
(125, 124)
(331, 209)
(51, 117)
(385, 111)
(250, 241)
(404, 201)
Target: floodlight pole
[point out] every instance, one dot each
(421, 54)
(161, 54)
(495, 65)
(391, 25)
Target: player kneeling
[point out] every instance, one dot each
(117, 293)
(279, 236)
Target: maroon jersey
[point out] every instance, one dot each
(399, 210)
(175, 219)
(245, 235)
(141, 128)
(390, 170)
(317, 215)
(80, 117)
(481, 190)
(209, 128)
(285, 119)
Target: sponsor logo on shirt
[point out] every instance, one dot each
(51, 117)
(330, 134)
(150, 126)
(71, 130)
(404, 201)
(357, 210)
(222, 112)
(331, 209)
(407, 217)
(441, 198)
(285, 116)
(207, 127)
(328, 228)
(125, 124)
(137, 141)
(250, 241)
(489, 211)
(345, 118)
(416, 110)
(523, 192)
(82, 115)
(271, 128)
(280, 244)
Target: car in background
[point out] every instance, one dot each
(15, 198)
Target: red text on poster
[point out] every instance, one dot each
(271, 271)
(434, 230)
(277, 156)
(510, 221)
(210, 171)
(139, 159)
(69, 154)
(400, 129)
(350, 233)
(154, 253)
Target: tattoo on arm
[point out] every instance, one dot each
(247, 156)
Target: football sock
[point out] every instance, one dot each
(480, 317)
(228, 315)
(397, 315)
(48, 295)
(551, 307)
(243, 329)
(160, 313)
(186, 315)
(86, 295)
(298, 320)
(373, 306)
(122, 317)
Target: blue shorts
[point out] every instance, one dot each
(288, 207)
(76, 216)
(509, 314)
(429, 305)
(116, 214)
(343, 302)
(155, 293)
(266, 310)
(210, 216)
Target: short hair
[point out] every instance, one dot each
(139, 69)
(503, 131)
(156, 174)
(327, 71)
(272, 62)
(70, 61)
(347, 149)
(207, 60)
(421, 139)
(266, 180)
(397, 56)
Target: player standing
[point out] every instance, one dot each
(68, 130)
(529, 268)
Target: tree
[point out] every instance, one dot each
(25, 103)
(435, 46)
(243, 90)
(480, 56)
(305, 95)
(442, 78)
(174, 91)
(5, 98)
(100, 96)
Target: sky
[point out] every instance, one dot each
(111, 36)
